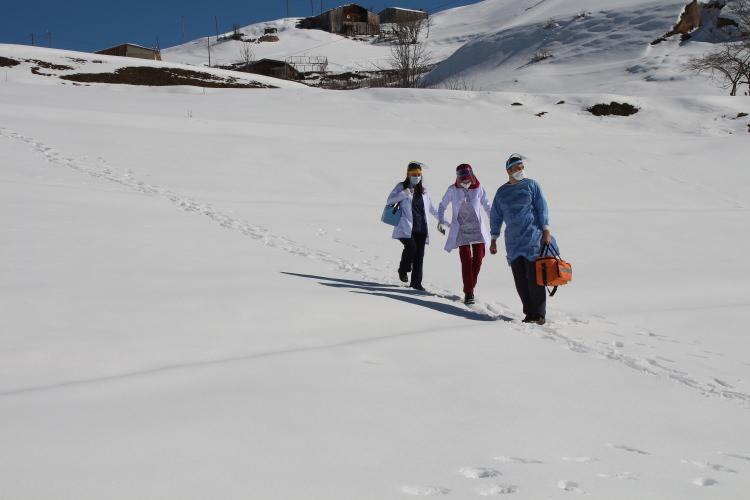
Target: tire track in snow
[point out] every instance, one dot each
(369, 272)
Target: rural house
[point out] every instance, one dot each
(131, 50)
(396, 15)
(348, 20)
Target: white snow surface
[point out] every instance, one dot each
(199, 301)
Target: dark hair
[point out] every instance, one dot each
(418, 189)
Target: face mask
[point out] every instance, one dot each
(414, 180)
(466, 184)
(518, 176)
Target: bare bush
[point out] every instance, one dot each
(246, 54)
(458, 82)
(541, 55)
(409, 57)
(728, 66)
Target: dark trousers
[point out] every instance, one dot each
(412, 257)
(533, 296)
(471, 263)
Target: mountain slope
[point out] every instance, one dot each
(559, 46)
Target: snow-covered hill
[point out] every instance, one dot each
(589, 47)
(493, 44)
(199, 301)
(39, 66)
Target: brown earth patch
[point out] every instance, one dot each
(161, 77)
(37, 71)
(6, 62)
(613, 108)
(49, 65)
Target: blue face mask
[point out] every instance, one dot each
(414, 180)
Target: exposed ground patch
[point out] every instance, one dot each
(161, 77)
(6, 62)
(49, 65)
(613, 108)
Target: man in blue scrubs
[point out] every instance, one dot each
(520, 204)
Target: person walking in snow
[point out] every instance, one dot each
(411, 230)
(520, 204)
(468, 232)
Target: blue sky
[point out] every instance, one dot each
(88, 25)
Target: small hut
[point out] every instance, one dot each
(348, 20)
(131, 50)
(271, 67)
(397, 15)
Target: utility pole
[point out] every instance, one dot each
(208, 44)
(49, 39)
(182, 21)
(216, 23)
(32, 40)
(287, 8)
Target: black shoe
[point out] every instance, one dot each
(538, 320)
(469, 299)
(403, 276)
(418, 287)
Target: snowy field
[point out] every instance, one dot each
(199, 300)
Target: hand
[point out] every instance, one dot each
(493, 247)
(441, 228)
(546, 237)
(408, 192)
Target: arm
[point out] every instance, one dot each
(484, 200)
(496, 222)
(542, 213)
(398, 194)
(444, 205)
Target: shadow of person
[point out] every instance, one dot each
(408, 295)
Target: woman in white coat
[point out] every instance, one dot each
(468, 232)
(411, 230)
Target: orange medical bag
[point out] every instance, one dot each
(552, 270)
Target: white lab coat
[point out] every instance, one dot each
(404, 198)
(455, 196)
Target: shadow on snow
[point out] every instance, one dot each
(408, 295)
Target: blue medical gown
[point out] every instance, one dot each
(524, 211)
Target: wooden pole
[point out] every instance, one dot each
(208, 44)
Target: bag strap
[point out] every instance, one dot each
(551, 250)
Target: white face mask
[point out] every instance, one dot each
(518, 176)
(466, 184)
(414, 180)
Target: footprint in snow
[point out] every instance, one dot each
(427, 491)
(620, 475)
(497, 490)
(478, 472)
(708, 466)
(570, 486)
(735, 455)
(629, 449)
(517, 460)
(705, 481)
(580, 460)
